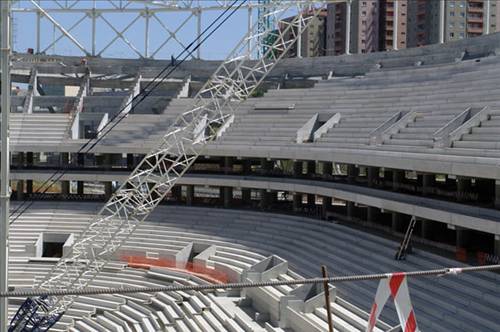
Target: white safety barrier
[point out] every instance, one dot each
(397, 287)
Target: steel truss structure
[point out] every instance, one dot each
(214, 105)
(141, 15)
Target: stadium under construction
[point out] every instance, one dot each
(258, 168)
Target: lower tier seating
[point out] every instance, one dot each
(469, 302)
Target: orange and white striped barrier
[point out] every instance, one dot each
(396, 287)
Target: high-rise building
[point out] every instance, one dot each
(393, 13)
(432, 22)
(336, 29)
(313, 40)
(363, 26)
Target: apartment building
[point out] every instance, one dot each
(364, 26)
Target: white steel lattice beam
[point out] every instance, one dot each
(68, 16)
(232, 83)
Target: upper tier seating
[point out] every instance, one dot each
(465, 303)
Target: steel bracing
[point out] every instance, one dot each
(81, 22)
(214, 105)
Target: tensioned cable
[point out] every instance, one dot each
(142, 95)
(126, 290)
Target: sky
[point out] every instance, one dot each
(216, 47)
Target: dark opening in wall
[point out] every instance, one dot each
(53, 245)
(52, 249)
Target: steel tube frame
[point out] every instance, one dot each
(395, 26)
(4, 162)
(144, 9)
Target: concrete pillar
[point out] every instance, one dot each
(108, 161)
(29, 163)
(387, 177)
(108, 189)
(462, 237)
(297, 202)
(130, 161)
(397, 222)
(426, 229)
(297, 169)
(266, 165)
(189, 194)
(246, 166)
(352, 173)
(311, 167)
(497, 194)
(372, 175)
(80, 159)
(21, 159)
(227, 165)
(428, 183)
(496, 245)
(311, 201)
(177, 193)
(265, 199)
(372, 213)
(463, 188)
(65, 164)
(226, 194)
(327, 169)
(65, 188)
(350, 209)
(327, 205)
(20, 190)
(80, 185)
(397, 179)
(246, 196)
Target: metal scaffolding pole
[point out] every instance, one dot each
(4, 163)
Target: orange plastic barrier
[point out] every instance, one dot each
(199, 270)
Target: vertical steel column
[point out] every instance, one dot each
(4, 163)
(348, 27)
(250, 24)
(38, 18)
(198, 33)
(395, 26)
(93, 28)
(441, 21)
(146, 33)
(487, 14)
(299, 38)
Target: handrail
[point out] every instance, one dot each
(376, 134)
(395, 127)
(474, 121)
(334, 120)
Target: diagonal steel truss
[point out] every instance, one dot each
(232, 83)
(77, 21)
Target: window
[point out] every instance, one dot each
(451, 25)
(452, 13)
(462, 35)
(452, 34)
(462, 25)
(363, 13)
(462, 14)
(462, 4)
(451, 4)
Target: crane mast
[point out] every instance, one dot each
(231, 84)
